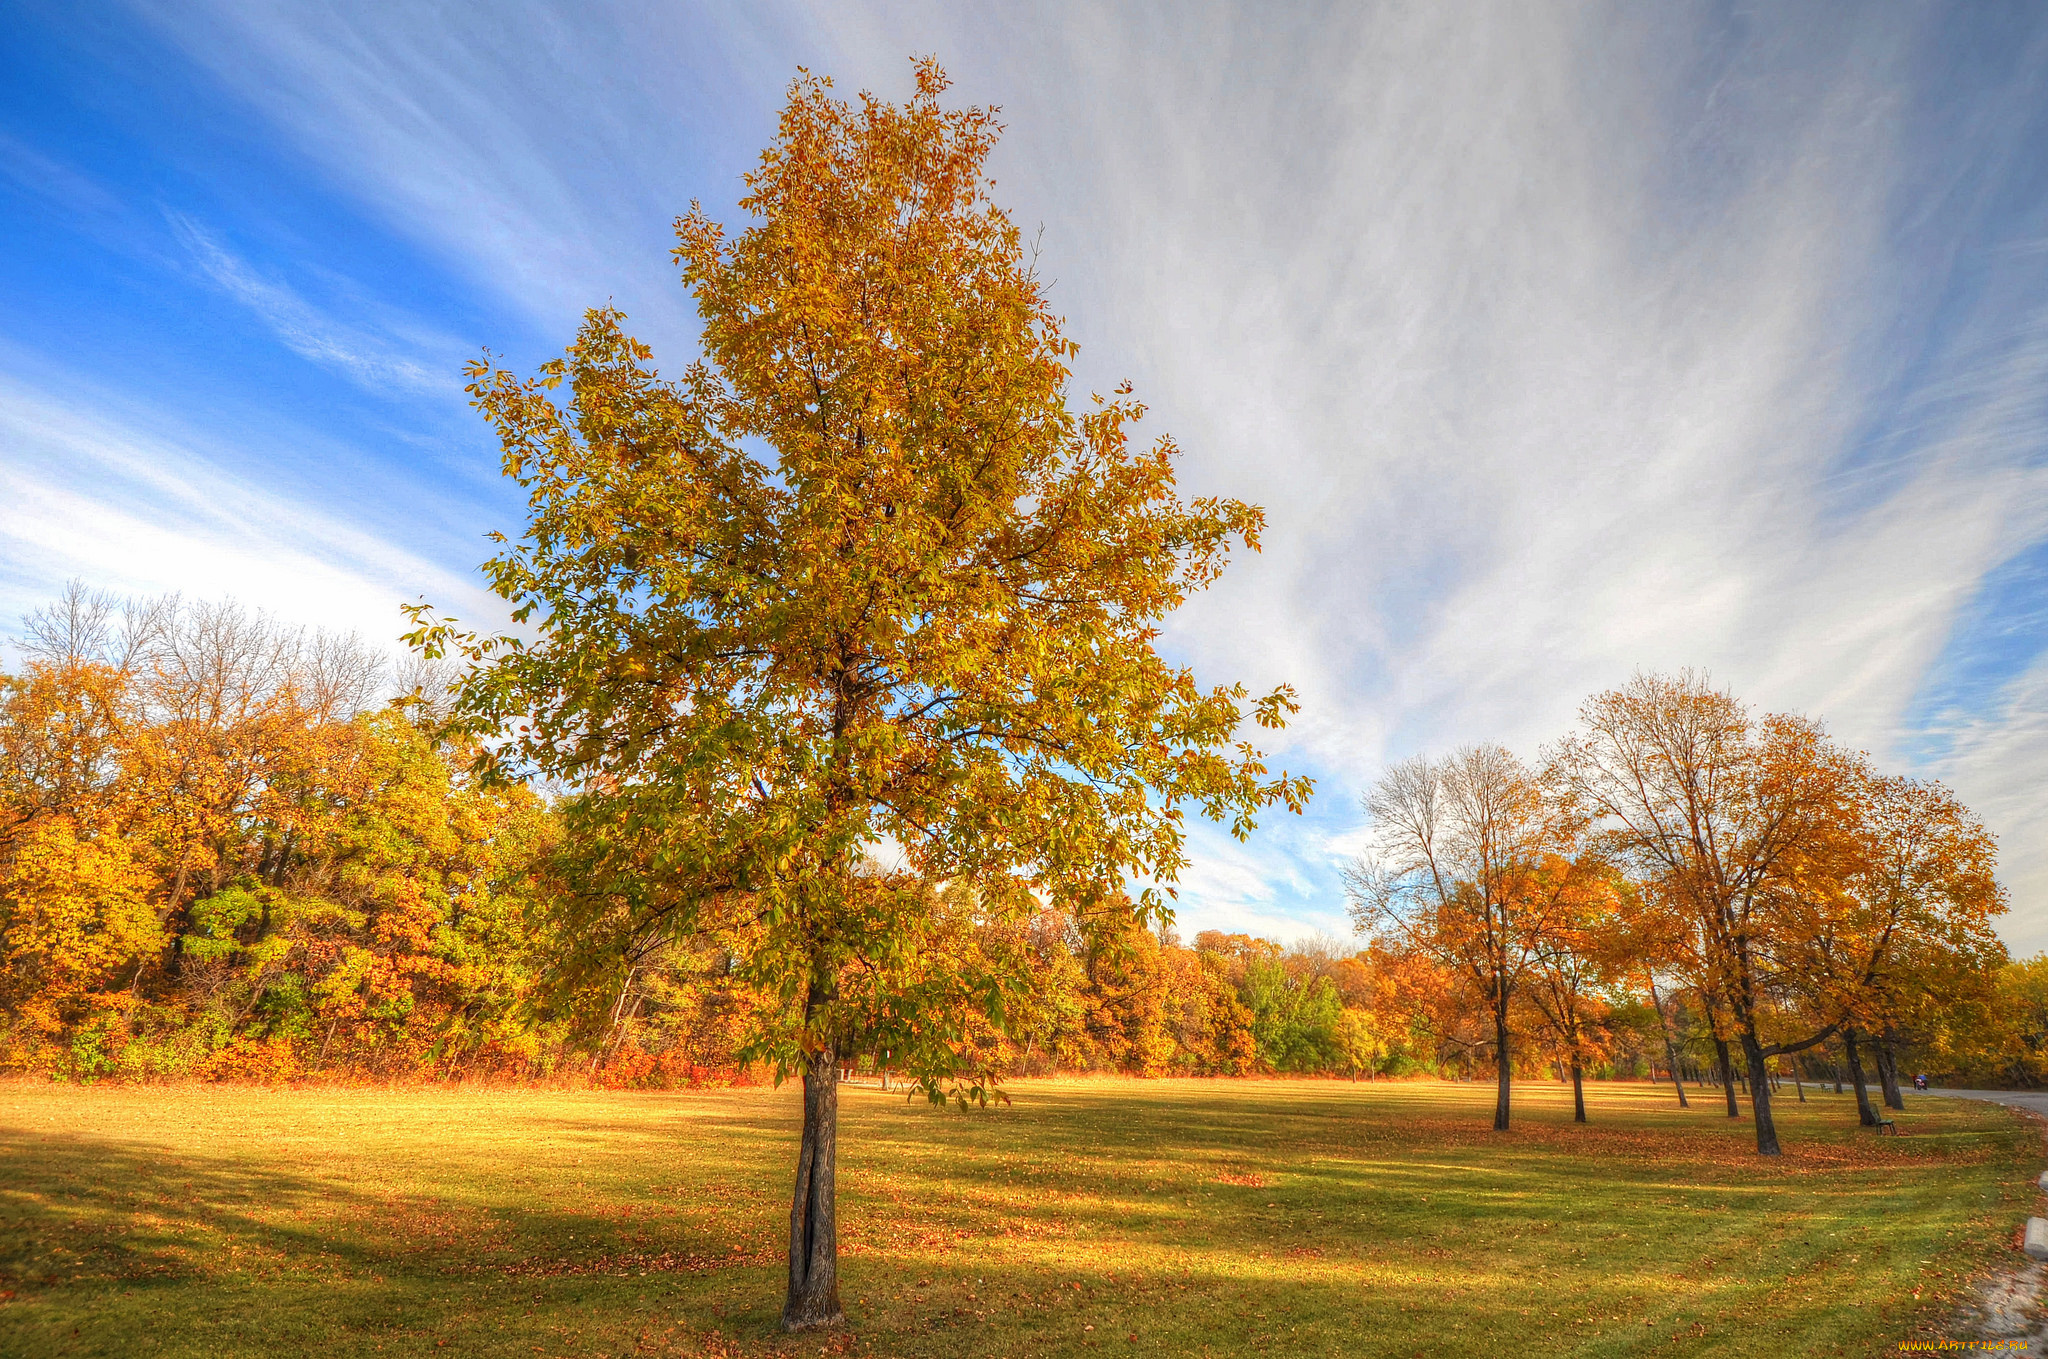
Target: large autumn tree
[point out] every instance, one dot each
(1908, 934)
(851, 627)
(1743, 826)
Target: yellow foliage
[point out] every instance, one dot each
(76, 909)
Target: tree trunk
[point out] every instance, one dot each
(1798, 1085)
(1760, 1094)
(1864, 1112)
(1670, 1047)
(813, 1225)
(1500, 1048)
(1888, 1074)
(1727, 1070)
(176, 927)
(1578, 1094)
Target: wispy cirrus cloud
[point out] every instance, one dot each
(1995, 758)
(375, 358)
(1549, 366)
(131, 506)
(52, 181)
(543, 151)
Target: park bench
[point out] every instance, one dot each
(1885, 1125)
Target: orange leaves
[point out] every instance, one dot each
(846, 639)
(1475, 868)
(269, 1061)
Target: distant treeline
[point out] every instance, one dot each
(231, 849)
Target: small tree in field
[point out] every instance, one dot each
(1471, 867)
(1578, 958)
(858, 589)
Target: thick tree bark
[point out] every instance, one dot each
(1727, 1070)
(1670, 1046)
(1888, 1074)
(1578, 1094)
(1500, 1048)
(813, 1223)
(1760, 1094)
(1864, 1112)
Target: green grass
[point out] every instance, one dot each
(1091, 1217)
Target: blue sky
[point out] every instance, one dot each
(1557, 340)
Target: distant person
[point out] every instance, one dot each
(1919, 1082)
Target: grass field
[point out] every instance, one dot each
(1090, 1217)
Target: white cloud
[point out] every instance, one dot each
(1996, 763)
(1532, 398)
(139, 511)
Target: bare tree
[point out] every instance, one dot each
(1575, 959)
(339, 675)
(96, 627)
(424, 687)
(1469, 862)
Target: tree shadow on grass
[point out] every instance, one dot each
(110, 1247)
(79, 1210)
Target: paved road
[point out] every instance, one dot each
(2035, 1101)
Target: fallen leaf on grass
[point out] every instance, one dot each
(665, 1262)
